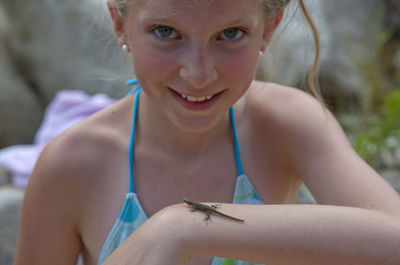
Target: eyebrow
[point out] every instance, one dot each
(169, 20)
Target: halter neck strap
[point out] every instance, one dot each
(238, 159)
(132, 139)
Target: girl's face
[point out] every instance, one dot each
(195, 58)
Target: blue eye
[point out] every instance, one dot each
(165, 32)
(232, 34)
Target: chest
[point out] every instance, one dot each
(160, 181)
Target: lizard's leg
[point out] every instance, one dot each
(215, 206)
(208, 218)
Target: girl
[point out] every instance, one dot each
(202, 128)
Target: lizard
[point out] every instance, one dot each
(209, 209)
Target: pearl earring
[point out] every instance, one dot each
(261, 53)
(125, 48)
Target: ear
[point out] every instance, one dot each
(118, 22)
(270, 28)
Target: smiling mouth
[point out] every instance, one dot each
(196, 103)
(196, 99)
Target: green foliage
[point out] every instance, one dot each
(380, 136)
(375, 129)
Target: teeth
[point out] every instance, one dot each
(196, 99)
(191, 99)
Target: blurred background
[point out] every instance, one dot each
(51, 46)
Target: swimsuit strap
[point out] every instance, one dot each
(132, 139)
(132, 82)
(238, 158)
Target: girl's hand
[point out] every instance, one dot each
(160, 240)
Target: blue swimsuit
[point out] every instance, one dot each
(132, 214)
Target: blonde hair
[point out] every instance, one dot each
(272, 7)
(312, 80)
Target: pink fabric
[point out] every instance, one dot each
(66, 109)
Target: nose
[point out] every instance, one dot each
(197, 68)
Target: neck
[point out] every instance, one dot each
(158, 132)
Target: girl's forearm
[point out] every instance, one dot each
(293, 234)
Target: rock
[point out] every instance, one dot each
(396, 62)
(347, 36)
(392, 177)
(10, 207)
(47, 46)
(66, 45)
(5, 257)
(19, 112)
(4, 25)
(396, 157)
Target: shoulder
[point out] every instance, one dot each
(318, 148)
(281, 102)
(66, 175)
(296, 121)
(290, 110)
(81, 156)
(82, 146)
